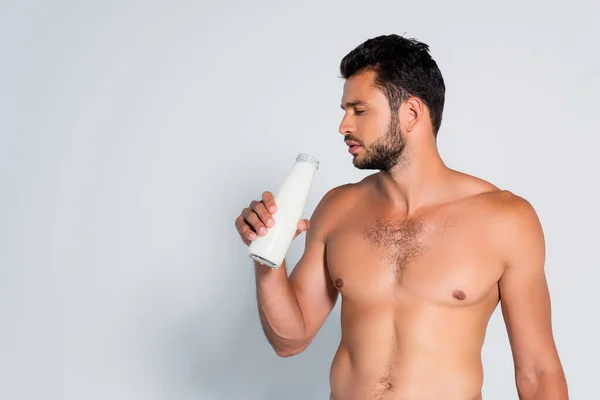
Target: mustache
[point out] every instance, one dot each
(353, 138)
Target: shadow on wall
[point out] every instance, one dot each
(221, 354)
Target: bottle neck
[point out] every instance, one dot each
(303, 157)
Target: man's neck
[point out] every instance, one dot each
(418, 180)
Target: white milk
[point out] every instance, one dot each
(270, 249)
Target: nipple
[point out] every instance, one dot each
(339, 283)
(459, 295)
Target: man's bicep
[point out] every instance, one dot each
(526, 309)
(310, 278)
(312, 285)
(525, 298)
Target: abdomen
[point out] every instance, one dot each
(418, 352)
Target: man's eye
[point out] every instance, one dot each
(358, 112)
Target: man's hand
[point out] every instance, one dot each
(257, 218)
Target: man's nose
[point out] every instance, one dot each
(346, 126)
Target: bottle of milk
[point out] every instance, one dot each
(291, 198)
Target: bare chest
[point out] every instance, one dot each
(439, 260)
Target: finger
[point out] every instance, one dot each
(303, 225)
(261, 210)
(255, 223)
(247, 234)
(246, 212)
(245, 215)
(269, 201)
(239, 222)
(242, 226)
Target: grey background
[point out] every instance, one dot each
(133, 133)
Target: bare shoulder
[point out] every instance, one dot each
(502, 208)
(518, 233)
(511, 223)
(509, 206)
(336, 203)
(478, 192)
(344, 196)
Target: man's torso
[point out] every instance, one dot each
(417, 293)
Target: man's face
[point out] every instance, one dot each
(373, 133)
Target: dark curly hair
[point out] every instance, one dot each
(404, 68)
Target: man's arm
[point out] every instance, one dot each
(293, 310)
(526, 308)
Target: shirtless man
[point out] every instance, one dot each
(420, 253)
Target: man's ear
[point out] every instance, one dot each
(412, 112)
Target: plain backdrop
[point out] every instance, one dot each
(133, 133)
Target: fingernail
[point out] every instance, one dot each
(272, 209)
(252, 236)
(262, 231)
(270, 222)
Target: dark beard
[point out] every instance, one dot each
(386, 152)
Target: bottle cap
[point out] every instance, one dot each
(308, 158)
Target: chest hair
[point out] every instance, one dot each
(397, 241)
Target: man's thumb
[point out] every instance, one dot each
(306, 224)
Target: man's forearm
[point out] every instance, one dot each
(544, 386)
(280, 313)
